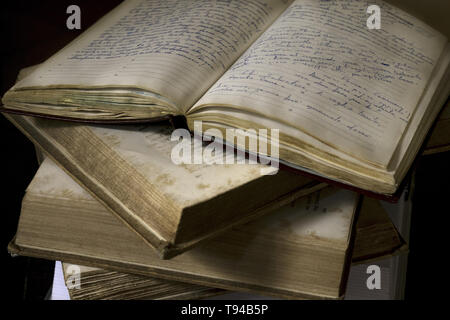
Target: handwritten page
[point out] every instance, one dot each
(173, 48)
(319, 69)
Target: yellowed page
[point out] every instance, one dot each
(176, 49)
(319, 69)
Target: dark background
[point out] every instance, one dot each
(31, 31)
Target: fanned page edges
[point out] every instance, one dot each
(136, 63)
(4, 109)
(119, 119)
(98, 284)
(149, 193)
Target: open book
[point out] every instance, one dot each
(351, 104)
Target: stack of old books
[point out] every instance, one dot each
(192, 147)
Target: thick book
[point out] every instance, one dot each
(302, 250)
(87, 283)
(173, 207)
(352, 104)
(376, 240)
